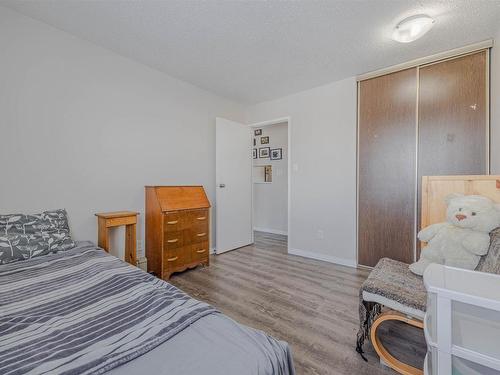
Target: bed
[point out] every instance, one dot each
(83, 311)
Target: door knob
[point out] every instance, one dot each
(222, 186)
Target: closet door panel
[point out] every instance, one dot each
(387, 167)
(452, 117)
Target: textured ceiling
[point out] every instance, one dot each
(251, 51)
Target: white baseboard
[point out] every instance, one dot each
(273, 231)
(323, 257)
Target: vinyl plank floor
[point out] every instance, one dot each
(312, 305)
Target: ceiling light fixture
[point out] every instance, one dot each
(412, 28)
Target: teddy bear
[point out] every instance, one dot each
(463, 238)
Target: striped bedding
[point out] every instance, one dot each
(83, 311)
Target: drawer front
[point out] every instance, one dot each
(175, 258)
(118, 221)
(173, 222)
(475, 328)
(199, 216)
(198, 234)
(173, 240)
(199, 252)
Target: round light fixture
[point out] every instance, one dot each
(412, 28)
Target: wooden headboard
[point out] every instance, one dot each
(436, 188)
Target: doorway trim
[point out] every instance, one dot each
(262, 124)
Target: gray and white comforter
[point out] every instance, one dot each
(84, 311)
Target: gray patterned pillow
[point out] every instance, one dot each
(27, 236)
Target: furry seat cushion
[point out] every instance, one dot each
(393, 281)
(392, 284)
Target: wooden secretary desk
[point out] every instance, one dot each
(177, 228)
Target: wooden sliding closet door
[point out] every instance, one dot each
(387, 165)
(452, 118)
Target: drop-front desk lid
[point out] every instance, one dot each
(174, 198)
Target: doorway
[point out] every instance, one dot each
(270, 183)
(252, 157)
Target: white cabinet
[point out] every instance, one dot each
(462, 322)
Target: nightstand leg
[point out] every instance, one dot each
(102, 235)
(130, 242)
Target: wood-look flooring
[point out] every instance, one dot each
(312, 305)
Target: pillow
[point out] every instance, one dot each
(28, 236)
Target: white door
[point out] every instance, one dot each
(233, 178)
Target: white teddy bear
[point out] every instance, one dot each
(464, 238)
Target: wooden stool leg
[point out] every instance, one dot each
(392, 362)
(130, 244)
(102, 235)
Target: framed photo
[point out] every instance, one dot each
(254, 142)
(264, 152)
(276, 154)
(264, 140)
(257, 132)
(255, 153)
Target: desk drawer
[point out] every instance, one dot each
(200, 252)
(173, 222)
(118, 221)
(175, 258)
(173, 240)
(198, 216)
(198, 235)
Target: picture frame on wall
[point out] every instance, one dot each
(257, 132)
(264, 152)
(264, 140)
(254, 142)
(276, 154)
(255, 153)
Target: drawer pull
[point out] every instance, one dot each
(201, 251)
(172, 222)
(173, 241)
(201, 234)
(201, 218)
(172, 259)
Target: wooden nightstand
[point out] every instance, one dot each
(106, 220)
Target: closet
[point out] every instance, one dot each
(425, 120)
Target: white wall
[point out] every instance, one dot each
(323, 156)
(85, 129)
(495, 106)
(270, 200)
